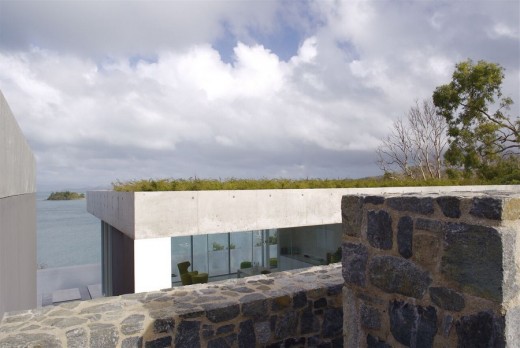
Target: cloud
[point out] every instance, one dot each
(112, 90)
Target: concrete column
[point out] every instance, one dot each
(152, 260)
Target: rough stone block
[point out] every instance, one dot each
(286, 325)
(413, 326)
(132, 324)
(77, 338)
(354, 262)
(370, 317)
(256, 309)
(225, 329)
(31, 340)
(320, 303)
(375, 200)
(352, 215)
(473, 258)
(188, 334)
(263, 332)
(379, 229)
(450, 206)
(486, 207)
(426, 250)
(352, 328)
(218, 315)
(332, 322)
(421, 205)
(429, 225)
(103, 335)
(246, 335)
(309, 323)
(375, 342)
(396, 275)
(163, 325)
(161, 342)
(447, 298)
(299, 300)
(405, 236)
(481, 330)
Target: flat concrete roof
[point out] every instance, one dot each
(142, 215)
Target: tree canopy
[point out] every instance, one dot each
(479, 128)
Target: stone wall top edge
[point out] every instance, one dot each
(503, 195)
(286, 283)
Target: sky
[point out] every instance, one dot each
(115, 90)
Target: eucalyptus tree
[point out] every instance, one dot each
(481, 133)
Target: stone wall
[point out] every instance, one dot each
(296, 308)
(431, 270)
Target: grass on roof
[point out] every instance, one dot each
(196, 184)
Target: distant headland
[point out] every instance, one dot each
(65, 196)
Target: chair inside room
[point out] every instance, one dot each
(193, 277)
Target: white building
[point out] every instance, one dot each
(17, 216)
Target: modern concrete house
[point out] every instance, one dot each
(145, 234)
(17, 216)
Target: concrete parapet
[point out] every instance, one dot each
(431, 270)
(17, 163)
(17, 216)
(296, 308)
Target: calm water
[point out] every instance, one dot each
(67, 234)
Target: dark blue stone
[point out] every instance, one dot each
(320, 303)
(486, 207)
(286, 325)
(450, 206)
(412, 204)
(376, 200)
(160, 343)
(188, 334)
(405, 236)
(354, 262)
(223, 314)
(375, 342)
(397, 275)
(447, 299)
(225, 329)
(481, 330)
(309, 322)
(246, 334)
(379, 229)
(370, 317)
(332, 322)
(473, 258)
(412, 325)
(256, 309)
(299, 300)
(163, 325)
(429, 225)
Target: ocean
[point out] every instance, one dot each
(67, 235)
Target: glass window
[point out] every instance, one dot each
(218, 254)
(181, 251)
(200, 253)
(240, 249)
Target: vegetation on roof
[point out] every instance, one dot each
(197, 184)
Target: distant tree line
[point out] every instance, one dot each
(464, 131)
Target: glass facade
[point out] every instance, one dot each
(221, 255)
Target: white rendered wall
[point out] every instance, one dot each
(152, 262)
(17, 216)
